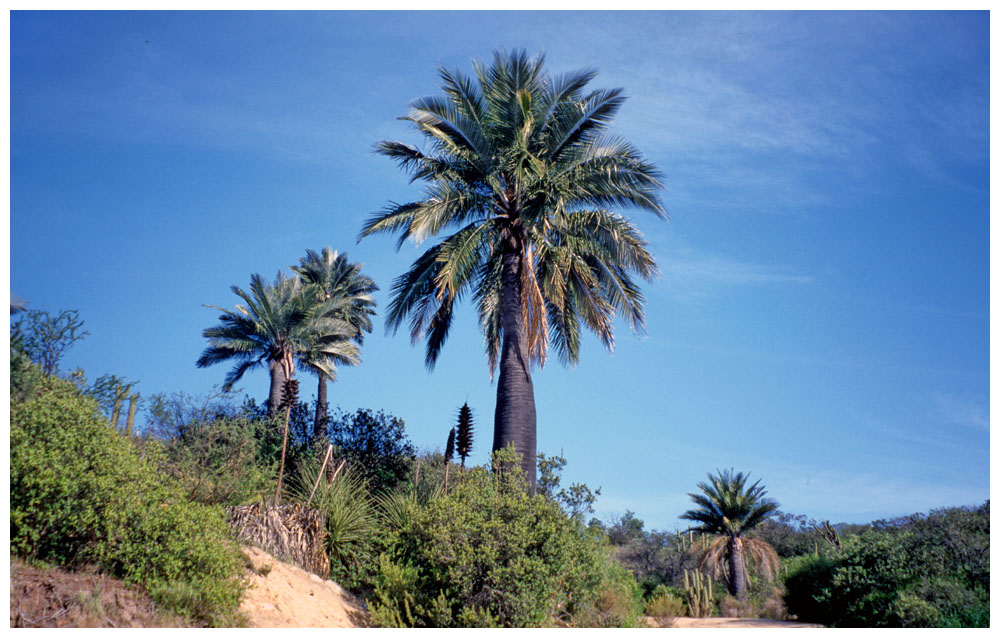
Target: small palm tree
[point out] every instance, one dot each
(337, 278)
(520, 176)
(729, 509)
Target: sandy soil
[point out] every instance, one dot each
(737, 623)
(283, 595)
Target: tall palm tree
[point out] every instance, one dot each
(338, 278)
(280, 323)
(519, 177)
(729, 509)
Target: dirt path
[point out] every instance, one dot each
(283, 595)
(740, 623)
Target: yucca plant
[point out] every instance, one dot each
(345, 505)
(463, 442)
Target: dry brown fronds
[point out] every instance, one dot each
(290, 532)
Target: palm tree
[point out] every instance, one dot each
(519, 177)
(728, 509)
(338, 278)
(280, 322)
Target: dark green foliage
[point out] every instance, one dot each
(375, 446)
(45, 339)
(917, 571)
(489, 554)
(576, 500)
(789, 534)
(83, 494)
(463, 442)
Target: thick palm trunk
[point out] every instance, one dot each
(514, 420)
(319, 423)
(737, 573)
(277, 384)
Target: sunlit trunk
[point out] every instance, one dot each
(319, 423)
(514, 420)
(277, 383)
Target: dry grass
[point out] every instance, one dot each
(290, 532)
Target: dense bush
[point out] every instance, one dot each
(82, 493)
(920, 571)
(375, 445)
(488, 554)
(226, 461)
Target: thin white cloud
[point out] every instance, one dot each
(693, 275)
(954, 410)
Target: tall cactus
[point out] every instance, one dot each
(133, 403)
(697, 594)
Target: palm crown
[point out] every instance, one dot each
(728, 506)
(519, 175)
(336, 278)
(521, 163)
(280, 323)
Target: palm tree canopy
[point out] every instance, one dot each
(521, 163)
(727, 506)
(279, 322)
(339, 278)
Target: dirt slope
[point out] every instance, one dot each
(53, 597)
(283, 595)
(739, 623)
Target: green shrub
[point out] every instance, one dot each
(664, 605)
(82, 493)
(225, 461)
(488, 554)
(923, 572)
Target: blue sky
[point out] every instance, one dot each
(822, 318)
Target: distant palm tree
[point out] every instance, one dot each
(280, 323)
(521, 172)
(337, 278)
(728, 509)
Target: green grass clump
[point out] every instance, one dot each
(81, 493)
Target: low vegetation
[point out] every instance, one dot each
(81, 493)
(427, 542)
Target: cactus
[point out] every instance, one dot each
(133, 403)
(697, 594)
(829, 534)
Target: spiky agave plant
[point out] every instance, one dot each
(463, 441)
(449, 454)
(346, 507)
